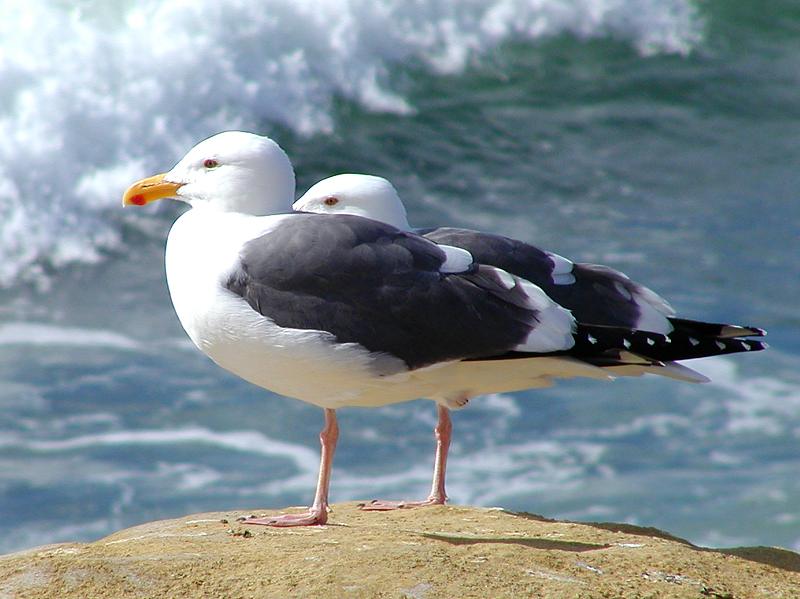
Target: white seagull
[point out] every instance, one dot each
(340, 310)
(595, 294)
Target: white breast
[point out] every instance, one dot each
(202, 250)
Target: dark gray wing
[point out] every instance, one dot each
(595, 294)
(366, 282)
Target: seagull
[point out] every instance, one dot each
(341, 310)
(595, 294)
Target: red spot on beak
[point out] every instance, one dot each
(138, 200)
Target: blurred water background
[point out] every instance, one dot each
(657, 136)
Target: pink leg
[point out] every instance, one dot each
(438, 496)
(443, 432)
(318, 512)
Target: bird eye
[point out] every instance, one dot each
(210, 163)
(330, 201)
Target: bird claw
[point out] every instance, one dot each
(379, 505)
(312, 517)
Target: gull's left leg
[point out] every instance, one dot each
(438, 496)
(318, 512)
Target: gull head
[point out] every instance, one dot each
(362, 195)
(233, 171)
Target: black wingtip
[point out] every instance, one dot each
(595, 342)
(751, 345)
(715, 329)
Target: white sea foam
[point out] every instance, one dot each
(188, 477)
(766, 405)
(484, 476)
(29, 333)
(659, 425)
(304, 459)
(97, 96)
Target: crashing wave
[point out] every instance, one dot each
(96, 96)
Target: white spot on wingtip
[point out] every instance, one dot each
(562, 270)
(561, 265)
(508, 280)
(626, 343)
(456, 260)
(721, 345)
(563, 279)
(694, 341)
(591, 339)
(651, 341)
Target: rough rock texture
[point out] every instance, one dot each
(420, 554)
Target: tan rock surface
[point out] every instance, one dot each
(422, 554)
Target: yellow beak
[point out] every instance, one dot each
(149, 190)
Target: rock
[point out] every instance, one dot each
(417, 554)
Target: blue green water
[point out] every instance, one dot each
(657, 137)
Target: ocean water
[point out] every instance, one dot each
(659, 137)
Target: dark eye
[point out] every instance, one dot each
(210, 163)
(330, 201)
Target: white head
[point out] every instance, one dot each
(232, 171)
(362, 195)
